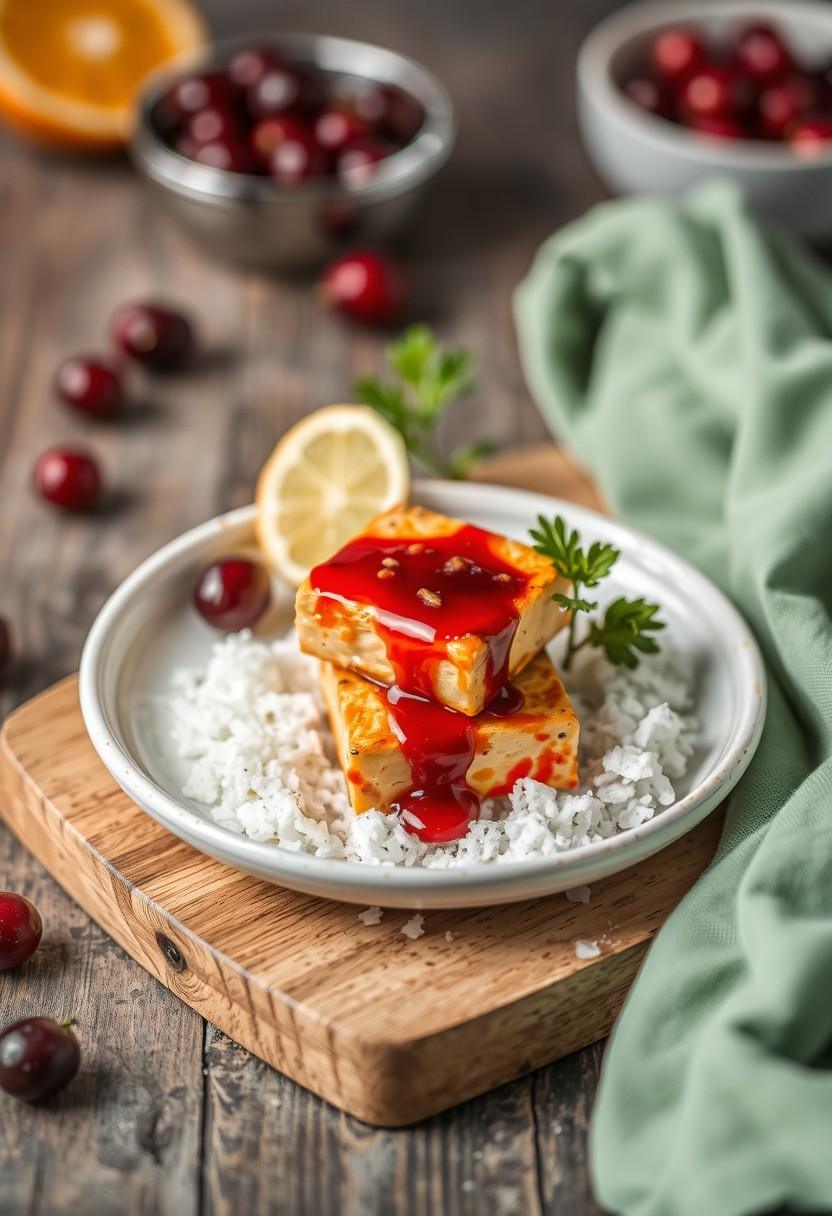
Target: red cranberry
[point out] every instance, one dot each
(357, 165)
(248, 66)
(153, 334)
(269, 132)
(811, 136)
(214, 123)
(195, 92)
(720, 128)
(20, 929)
(781, 104)
(67, 478)
(712, 91)
(282, 88)
(294, 161)
(232, 155)
(38, 1056)
(232, 593)
(650, 95)
(366, 286)
(5, 643)
(89, 385)
(762, 54)
(336, 129)
(676, 52)
(389, 110)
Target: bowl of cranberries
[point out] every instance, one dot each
(669, 94)
(275, 152)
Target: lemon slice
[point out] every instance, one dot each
(326, 479)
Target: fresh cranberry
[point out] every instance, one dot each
(269, 132)
(5, 643)
(295, 161)
(781, 104)
(38, 1056)
(336, 129)
(232, 155)
(720, 128)
(213, 124)
(389, 110)
(811, 136)
(676, 52)
(90, 386)
(762, 54)
(232, 593)
(20, 929)
(153, 334)
(195, 92)
(282, 88)
(248, 66)
(357, 165)
(713, 91)
(650, 95)
(366, 286)
(67, 478)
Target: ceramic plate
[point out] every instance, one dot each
(148, 627)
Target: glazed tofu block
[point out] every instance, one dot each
(431, 604)
(539, 740)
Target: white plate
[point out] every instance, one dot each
(148, 627)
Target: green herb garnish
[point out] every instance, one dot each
(626, 624)
(431, 378)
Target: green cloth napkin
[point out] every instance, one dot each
(685, 355)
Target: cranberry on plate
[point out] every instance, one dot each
(38, 1056)
(68, 478)
(20, 929)
(89, 385)
(154, 334)
(232, 593)
(676, 52)
(366, 286)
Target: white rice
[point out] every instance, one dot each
(252, 733)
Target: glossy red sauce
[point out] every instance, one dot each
(425, 594)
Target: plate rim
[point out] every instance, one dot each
(342, 877)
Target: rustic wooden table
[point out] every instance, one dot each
(168, 1115)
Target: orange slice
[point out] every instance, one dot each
(70, 70)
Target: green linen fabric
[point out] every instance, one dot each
(685, 355)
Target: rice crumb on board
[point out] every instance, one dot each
(370, 916)
(413, 928)
(585, 949)
(249, 734)
(578, 895)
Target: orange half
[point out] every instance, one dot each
(70, 70)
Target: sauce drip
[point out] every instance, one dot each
(426, 593)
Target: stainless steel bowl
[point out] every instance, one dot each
(252, 221)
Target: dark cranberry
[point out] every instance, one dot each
(676, 52)
(282, 88)
(153, 334)
(811, 136)
(232, 155)
(389, 110)
(269, 132)
(366, 286)
(20, 929)
(38, 1056)
(67, 478)
(650, 95)
(357, 165)
(781, 104)
(295, 161)
(713, 91)
(89, 385)
(232, 594)
(248, 66)
(214, 123)
(720, 128)
(762, 54)
(336, 129)
(5, 643)
(195, 92)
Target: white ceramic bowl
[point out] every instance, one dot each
(637, 153)
(148, 627)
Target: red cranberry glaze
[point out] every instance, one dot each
(232, 594)
(90, 386)
(365, 286)
(20, 929)
(38, 1056)
(68, 478)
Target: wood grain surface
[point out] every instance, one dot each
(169, 1116)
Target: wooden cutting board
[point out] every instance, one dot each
(391, 1030)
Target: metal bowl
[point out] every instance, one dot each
(254, 222)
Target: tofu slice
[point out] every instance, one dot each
(539, 741)
(346, 632)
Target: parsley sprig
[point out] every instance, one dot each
(626, 624)
(430, 379)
